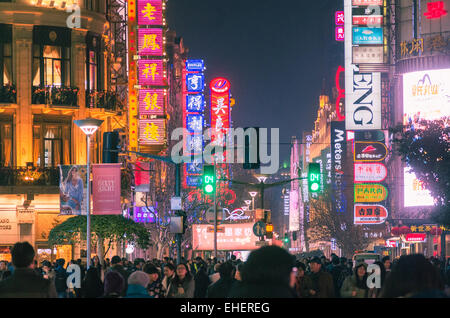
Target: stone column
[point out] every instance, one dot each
(22, 55)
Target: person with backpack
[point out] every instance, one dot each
(61, 279)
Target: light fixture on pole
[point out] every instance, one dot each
(261, 178)
(89, 126)
(244, 208)
(248, 202)
(253, 195)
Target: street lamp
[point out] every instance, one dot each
(248, 202)
(261, 179)
(89, 126)
(253, 195)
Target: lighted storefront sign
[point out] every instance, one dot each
(426, 95)
(151, 101)
(367, 54)
(341, 93)
(194, 123)
(194, 144)
(56, 4)
(362, 90)
(151, 72)
(195, 103)
(415, 192)
(339, 18)
(235, 215)
(106, 189)
(369, 214)
(369, 193)
(151, 131)
(195, 83)
(339, 33)
(150, 12)
(142, 176)
(369, 172)
(435, 10)
(338, 159)
(415, 238)
(233, 237)
(372, 20)
(220, 109)
(195, 65)
(367, 2)
(363, 35)
(144, 215)
(369, 151)
(150, 42)
(391, 243)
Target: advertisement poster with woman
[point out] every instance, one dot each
(73, 190)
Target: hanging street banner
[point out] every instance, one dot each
(369, 214)
(106, 189)
(370, 192)
(73, 189)
(369, 172)
(369, 151)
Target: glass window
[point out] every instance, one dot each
(6, 144)
(51, 65)
(51, 144)
(6, 64)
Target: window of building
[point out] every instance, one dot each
(51, 56)
(93, 62)
(6, 142)
(6, 75)
(51, 143)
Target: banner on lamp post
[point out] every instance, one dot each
(106, 189)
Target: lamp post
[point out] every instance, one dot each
(253, 195)
(89, 126)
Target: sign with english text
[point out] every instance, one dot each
(338, 159)
(369, 151)
(106, 189)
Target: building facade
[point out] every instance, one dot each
(53, 72)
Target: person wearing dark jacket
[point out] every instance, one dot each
(24, 282)
(222, 287)
(183, 284)
(303, 283)
(61, 278)
(201, 281)
(116, 265)
(322, 281)
(92, 286)
(266, 274)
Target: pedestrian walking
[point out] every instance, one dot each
(413, 276)
(24, 282)
(114, 285)
(183, 284)
(169, 274)
(61, 278)
(92, 286)
(222, 287)
(266, 274)
(322, 281)
(355, 286)
(201, 280)
(137, 285)
(303, 282)
(117, 266)
(154, 287)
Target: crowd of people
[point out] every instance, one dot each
(269, 272)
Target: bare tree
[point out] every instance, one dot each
(326, 224)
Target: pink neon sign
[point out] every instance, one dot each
(339, 18)
(150, 42)
(151, 72)
(150, 12)
(435, 10)
(151, 102)
(151, 131)
(339, 33)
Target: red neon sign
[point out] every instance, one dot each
(435, 10)
(339, 18)
(341, 93)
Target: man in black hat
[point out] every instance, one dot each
(322, 281)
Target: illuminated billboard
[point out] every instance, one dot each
(426, 95)
(230, 237)
(152, 132)
(363, 35)
(151, 72)
(150, 12)
(150, 42)
(415, 192)
(151, 101)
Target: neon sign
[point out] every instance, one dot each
(341, 93)
(150, 12)
(235, 215)
(435, 10)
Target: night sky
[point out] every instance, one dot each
(275, 53)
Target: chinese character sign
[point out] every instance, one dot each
(195, 82)
(194, 123)
(195, 103)
(150, 42)
(151, 102)
(220, 105)
(339, 33)
(151, 132)
(435, 10)
(151, 72)
(150, 12)
(339, 18)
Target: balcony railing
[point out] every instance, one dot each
(102, 99)
(56, 96)
(8, 94)
(29, 176)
